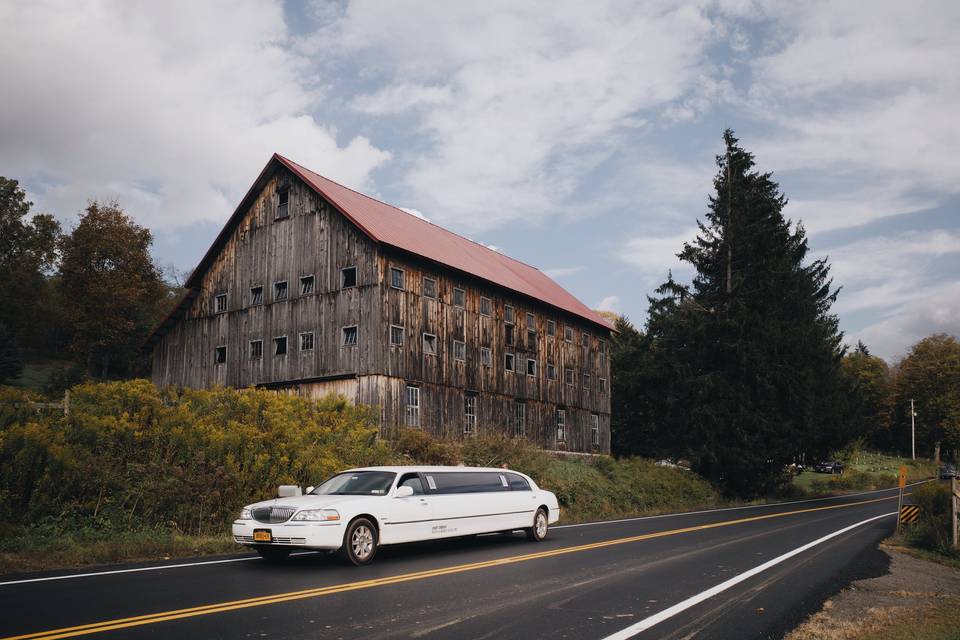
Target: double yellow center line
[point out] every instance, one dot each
(123, 623)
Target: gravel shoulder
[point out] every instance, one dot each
(917, 600)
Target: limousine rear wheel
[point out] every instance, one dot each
(359, 542)
(538, 531)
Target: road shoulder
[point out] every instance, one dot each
(917, 599)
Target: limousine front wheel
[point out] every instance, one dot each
(359, 542)
(538, 531)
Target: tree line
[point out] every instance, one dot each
(743, 372)
(88, 295)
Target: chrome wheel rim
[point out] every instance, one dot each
(541, 525)
(362, 542)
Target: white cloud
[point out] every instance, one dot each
(867, 91)
(560, 272)
(889, 272)
(415, 212)
(656, 255)
(172, 108)
(610, 303)
(520, 100)
(936, 310)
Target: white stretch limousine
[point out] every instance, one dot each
(358, 510)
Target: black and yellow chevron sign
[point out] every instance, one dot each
(909, 513)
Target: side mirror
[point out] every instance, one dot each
(289, 491)
(310, 489)
(403, 492)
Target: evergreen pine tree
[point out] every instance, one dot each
(749, 352)
(10, 364)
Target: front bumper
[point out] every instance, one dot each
(306, 535)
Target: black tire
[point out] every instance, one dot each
(274, 554)
(360, 542)
(538, 531)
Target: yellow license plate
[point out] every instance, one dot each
(262, 535)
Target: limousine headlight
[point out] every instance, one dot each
(245, 514)
(318, 515)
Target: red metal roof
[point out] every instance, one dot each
(389, 225)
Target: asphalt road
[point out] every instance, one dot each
(751, 572)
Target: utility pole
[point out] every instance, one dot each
(913, 432)
(729, 229)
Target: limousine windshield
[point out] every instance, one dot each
(357, 483)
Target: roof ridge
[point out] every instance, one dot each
(424, 220)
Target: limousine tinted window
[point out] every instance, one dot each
(467, 482)
(518, 483)
(357, 483)
(412, 480)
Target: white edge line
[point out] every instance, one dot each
(138, 569)
(563, 526)
(746, 506)
(657, 618)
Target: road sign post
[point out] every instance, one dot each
(955, 504)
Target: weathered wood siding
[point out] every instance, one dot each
(317, 240)
(314, 240)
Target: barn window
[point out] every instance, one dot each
(568, 376)
(531, 367)
(561, 425)
(551, 328)
(348, 277)
(429, 344)
(586, 381)
(256, 349)
(531, 322)
(585, 339)
(531, 339)
(220, 303)
(256, 295)
(603, 350)
(603, 385)
(508, 334)
(306, 341)
(459, 350)
(350, 336)
(220, 355)
(508, 314)
(429, 288)
(486, 306)
(306, 285)
(396, 335)
(413, 406)
(280, 290)
(459, 298)
(280, 346)
(396, 278)
(519, 419)
(508, 362)
(486, 356)
(469, 412)
(283, 203)
(594, 429)
(551, 371)
(568, 334)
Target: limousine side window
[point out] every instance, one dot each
(518, 483)
(466, 482)
(412, 480)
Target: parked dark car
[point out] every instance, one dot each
(829, 466)
(948, 471)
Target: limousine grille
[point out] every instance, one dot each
(276, 540)
(272, 515)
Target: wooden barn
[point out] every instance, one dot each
(314, 288)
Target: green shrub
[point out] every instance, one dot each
(932, 530)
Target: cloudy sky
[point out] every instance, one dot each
(576, 136)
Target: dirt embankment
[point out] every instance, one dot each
(916, 600)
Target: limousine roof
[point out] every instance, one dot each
(433, 469)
